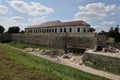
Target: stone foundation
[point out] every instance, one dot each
(105, 62)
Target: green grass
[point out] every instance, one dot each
(102, 65)
(23, 45)
(18, 65)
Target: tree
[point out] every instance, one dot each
(92, 29)
(22, 31)
(114, 33)
(14, 29)
(111, 32)
(117, 34)
(103, 33)
(2, 29)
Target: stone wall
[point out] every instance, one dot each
(104, 62)
(5, 37)
(82, 40)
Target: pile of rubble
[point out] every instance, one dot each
(53, 53)
(29, 49)
(68, 56)
(57, 53)
(111, 50)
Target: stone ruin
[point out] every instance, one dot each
(111, 49)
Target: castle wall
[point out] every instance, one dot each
(82, 40)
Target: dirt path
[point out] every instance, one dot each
(78, 66)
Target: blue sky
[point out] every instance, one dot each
(100, 14)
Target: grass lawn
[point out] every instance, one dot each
(23, 45)
(18, 65)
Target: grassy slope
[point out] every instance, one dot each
(16, 65)
(23, 45)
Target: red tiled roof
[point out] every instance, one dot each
(75, 23)
(58, 24)
(51, 24)
(46, 24)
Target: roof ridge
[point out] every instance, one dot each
(59, 23)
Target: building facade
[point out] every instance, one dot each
(59, 27)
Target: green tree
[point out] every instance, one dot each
(14, 29)
(2, 29)
(111, 32)
(114, 33)
(117, 34)
(22, 31)
(103, 33)
(92, 29)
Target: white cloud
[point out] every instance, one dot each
(88, 16)
(7, 22)
(99, 28)
(98, 7)
(3, 9)
(13, 0)
(40, 9)
(99, 13)
(36, 21)
(107, 23)
(21, 6)
(95, 11)
(17, 19)
(33, 9)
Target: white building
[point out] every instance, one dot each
(59, 27)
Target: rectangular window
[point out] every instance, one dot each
(70, 29)
(64, 29)
(49, 30)
(45, 30)
(27, 31)
(52, 30)
(78, 29)
(84, 30)
(34, 31)
(60, 29)
(40, 30)
(55, 30)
